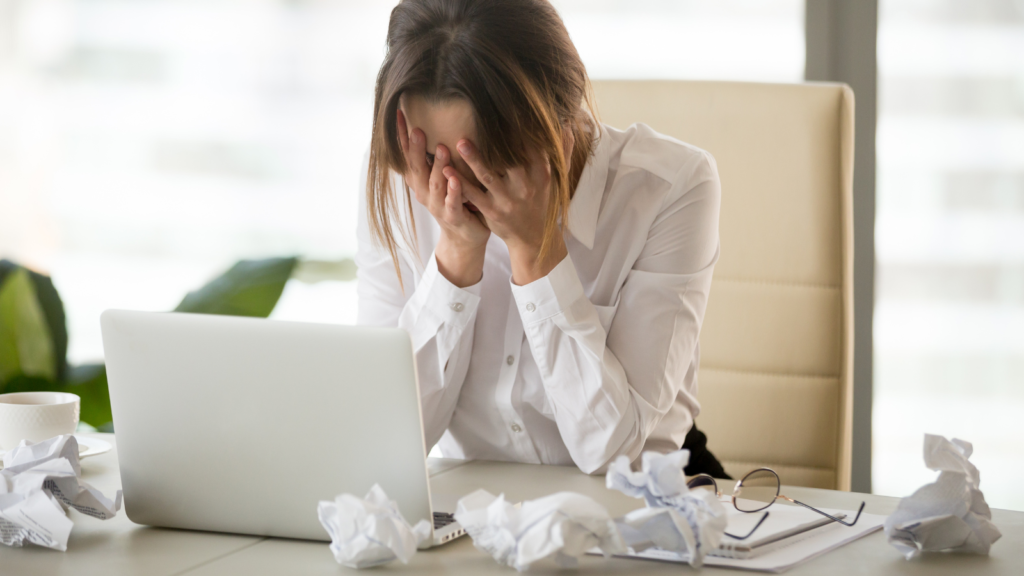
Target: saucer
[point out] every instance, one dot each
(91, 446)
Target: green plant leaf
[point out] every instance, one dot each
(314, 271)
(25, 345)
(249, 288)
(53, 310)
(22, 383)
(90, 383)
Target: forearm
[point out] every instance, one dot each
(462, 265)
(441, 376)
(598, 413)
(528, 265)
(439, 318)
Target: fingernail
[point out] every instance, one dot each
(454, 183)
(439, 152)
(463, 147)
(415, 136)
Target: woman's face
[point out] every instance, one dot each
(444, 123)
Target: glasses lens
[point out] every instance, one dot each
(702, 481)
(756, 491)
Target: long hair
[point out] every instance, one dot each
(513, 62)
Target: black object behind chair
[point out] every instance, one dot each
(702, 461)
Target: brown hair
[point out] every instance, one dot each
(513, 62)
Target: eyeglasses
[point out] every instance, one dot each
(756, 491)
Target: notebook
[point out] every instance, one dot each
(783, 526)
(807, 538)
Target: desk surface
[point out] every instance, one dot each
(118, 546)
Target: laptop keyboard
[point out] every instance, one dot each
(442, 519)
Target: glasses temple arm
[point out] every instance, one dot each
(844, 523)
(752, 530)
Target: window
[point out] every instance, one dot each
(687, 39)
(949, 315)
(146, 146)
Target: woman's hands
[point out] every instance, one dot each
(460, 249)
(514, 206)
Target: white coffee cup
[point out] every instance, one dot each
(36, 416)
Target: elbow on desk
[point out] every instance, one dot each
(597, 464)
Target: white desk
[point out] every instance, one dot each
(119, 547)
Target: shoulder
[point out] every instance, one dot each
(679, 166)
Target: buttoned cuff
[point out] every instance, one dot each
(550, 295)
(453, 305)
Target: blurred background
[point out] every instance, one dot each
(146, 145)
(949, 240)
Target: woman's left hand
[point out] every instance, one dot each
(514, 206)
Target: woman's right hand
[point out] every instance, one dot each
(461, 247)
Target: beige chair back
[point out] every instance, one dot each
(776, 370)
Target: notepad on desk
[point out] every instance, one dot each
(789, 536)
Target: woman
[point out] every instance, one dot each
(552, 272)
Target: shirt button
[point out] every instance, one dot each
(457, 306)
(516, 428)
(510, 360)
(530, 307)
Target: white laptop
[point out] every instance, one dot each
(243, 425)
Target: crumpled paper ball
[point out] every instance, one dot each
(370, 531)
(660, 480)
(562, 526)
(949, 514)
(27, 454)
(690, 523)
(39, 482)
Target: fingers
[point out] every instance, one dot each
(532, 178)
(414, 148)
(403, 132)
(453, 200)
(438, 184)
(417, 156)
(482, 200)
(472, 157)
(456, 213)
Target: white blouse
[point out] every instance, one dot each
(597, 359)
